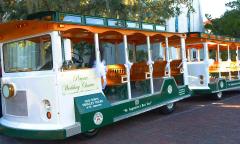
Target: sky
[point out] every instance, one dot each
(214, 7)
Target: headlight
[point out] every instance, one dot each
(46, 109)
(8, 90)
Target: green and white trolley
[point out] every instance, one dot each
(66, 74)
(213, 64)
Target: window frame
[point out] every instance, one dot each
(24, 38)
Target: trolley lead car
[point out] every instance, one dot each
(74, 74)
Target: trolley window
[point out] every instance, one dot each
(33, 54)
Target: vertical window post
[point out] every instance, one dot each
(237, 59)
(229, 61)
(1, 59)
(97, 51)
(189, 54)
(184, 61)
(167, 57)
(150, 63)
(164, 53)
(206, 57)
(218, 59)
(127, 65)
(198, 55)
(57, 54)
(98, 63)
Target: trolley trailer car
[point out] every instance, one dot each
(213, 64)
(66, 74)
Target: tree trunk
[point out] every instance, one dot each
(2, 4)
(108, 8)
(29, 6)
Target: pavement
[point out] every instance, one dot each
(197, 120)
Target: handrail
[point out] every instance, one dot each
(180, 65)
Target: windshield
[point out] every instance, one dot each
(33, 54)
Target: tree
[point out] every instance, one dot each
(229, 23)
(234, 4)
(139, 10)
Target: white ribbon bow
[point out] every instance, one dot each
(128, 65)
(150, 62)
(210, 61)
(101, 71)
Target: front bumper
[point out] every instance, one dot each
(41, 134)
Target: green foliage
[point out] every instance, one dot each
(226, 25)
(234, 4)
(141, 56)
(223, 55)
(229, 23)
(140, 10)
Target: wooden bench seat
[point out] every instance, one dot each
(159, 69)
(175, 67)
(139, 71)
(225, 66)
(116, 75)
(215, 67)
(234, 66)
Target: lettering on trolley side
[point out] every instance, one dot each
(138, 106)
(92, 103)
(76, 83)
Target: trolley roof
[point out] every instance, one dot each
(195, 39)
(83, 27)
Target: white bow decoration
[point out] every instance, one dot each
(101, 71)
(150, 63)
(167, 66)
(128, 65)
(210, 61)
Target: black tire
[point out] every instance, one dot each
(91, 133)
(217, 96)
(167, 109)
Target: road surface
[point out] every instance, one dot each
(197, 120)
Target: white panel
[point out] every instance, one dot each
(195, 69)
(39, 86)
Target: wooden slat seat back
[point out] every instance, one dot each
(234, 73)
(116, 75)
(223, 67)
(215, 67)
(234, 66)
(175, 67)
(139, 71)
(159, 69)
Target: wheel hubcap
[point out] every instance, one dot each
(170, 106)
(219, 95)
(92, 130)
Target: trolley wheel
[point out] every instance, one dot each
(91, 133)
(217, 96)
(169, 108)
